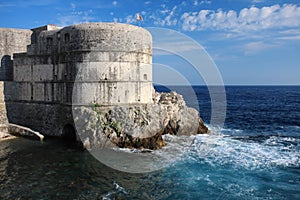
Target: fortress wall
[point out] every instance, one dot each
(3, 116)
(112, 62)
(90, 71)
(11, 41)
(48, 119)
(108, 83)
(114, 59)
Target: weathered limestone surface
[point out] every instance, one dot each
(3, 116)
(140, 126)
(78, 64)
(14, 40)
(48, 119)
(18, 130)
(11, 41)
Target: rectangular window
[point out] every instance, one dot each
(49, 41)
(67, 37)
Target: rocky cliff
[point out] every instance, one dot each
(137, 126)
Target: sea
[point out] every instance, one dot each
(255, 155)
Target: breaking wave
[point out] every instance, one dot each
(223, 147)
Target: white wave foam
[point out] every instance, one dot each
(127, 150)
(116, 190)
(218, 148)
(119, 188)
(225, 150)
(223, 131)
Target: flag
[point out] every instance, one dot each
(139, 17)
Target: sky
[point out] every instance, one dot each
(251, 42)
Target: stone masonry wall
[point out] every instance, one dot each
(3, 116)
(11, 41)
(110, 62)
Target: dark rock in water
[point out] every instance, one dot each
(137, 126)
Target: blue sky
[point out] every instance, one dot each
(251, 41)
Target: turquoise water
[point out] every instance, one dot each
(255, 156)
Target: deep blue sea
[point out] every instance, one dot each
(256, 155)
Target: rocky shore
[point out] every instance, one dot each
(128, 126)
(137, 126)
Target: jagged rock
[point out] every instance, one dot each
(137, 126)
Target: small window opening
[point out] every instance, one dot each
(49, 41)
(67, 37)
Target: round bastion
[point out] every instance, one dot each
(114, 65)
(106, 37)
(111, 63)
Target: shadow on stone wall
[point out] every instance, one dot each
(6, 74)
(6, 69)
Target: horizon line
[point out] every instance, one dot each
(279, 85)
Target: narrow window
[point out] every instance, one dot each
(67, 37)
(49, 41)
(69, 93)
(145, 76)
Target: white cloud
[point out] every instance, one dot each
(27, 3)
(248, 19)
(165, 11)
(75, 17)
(4, 5)
(130, 19)
(73, 6)
(114, 3)
(169, 19)
(179, 46)
(172, 41)
(290, 37)
(255, 47)
(291, 31)
(205, 2)
(183, 3)
(257, 1)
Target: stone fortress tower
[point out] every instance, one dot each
(110, 64)
(96, 77)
